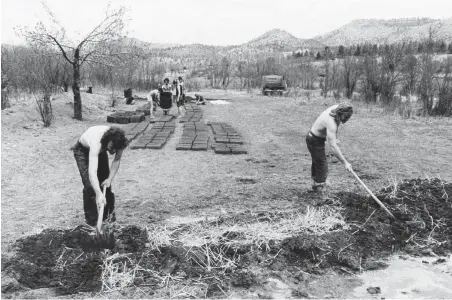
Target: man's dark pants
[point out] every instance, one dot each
(81, 155)
(319, 167)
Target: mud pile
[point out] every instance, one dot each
(54, 259)
(423, 226)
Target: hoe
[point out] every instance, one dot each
(373, 196)
(99, 240)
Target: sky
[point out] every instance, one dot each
(214, 22)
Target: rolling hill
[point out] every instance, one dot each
(273, 41)
(282, 40)
(376, 31)
(379, 31)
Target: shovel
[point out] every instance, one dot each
(99, 240)
(373, 196)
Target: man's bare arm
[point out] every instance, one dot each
(114, 167)
(331, 136)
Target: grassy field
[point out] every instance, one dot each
(41, 187)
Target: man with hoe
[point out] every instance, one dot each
(90, 153)
(325, 128)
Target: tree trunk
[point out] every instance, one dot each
(5, 100)
(76, 91)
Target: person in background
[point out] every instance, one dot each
(153, 98)
(182, 88)
(166, 87)
(174, 90)
(200, 99)
(178, 98)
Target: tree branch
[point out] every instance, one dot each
(99, 62)
(61, 48)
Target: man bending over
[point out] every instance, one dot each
(91, 156)
(153, 99)
(325, 128)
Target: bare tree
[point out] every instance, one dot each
(7, 74)
(308, 75)
(326, 82)
(157, 70)
(391, 60)
(241, 72)
(225, 72)
(428, 68)
(91, 48)
(444, 86)
(351, 74)
(410, 71)
(371, 86)
(44, 70)
(336, 82)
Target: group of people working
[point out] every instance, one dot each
(91, 156)
(176, 91)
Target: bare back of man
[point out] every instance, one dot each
(92, 136)
(324, 122)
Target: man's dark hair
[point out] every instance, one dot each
(115, 135)
(166, 80)
(180, 78)
(342, 113)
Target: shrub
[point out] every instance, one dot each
(44, 107)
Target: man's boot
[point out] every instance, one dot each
(319, 186)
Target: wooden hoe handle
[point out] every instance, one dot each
(101, 212)
(373, 196)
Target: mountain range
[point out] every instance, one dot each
(375, 31)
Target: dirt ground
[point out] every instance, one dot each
(41, 190)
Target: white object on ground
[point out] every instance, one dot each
(219, 102)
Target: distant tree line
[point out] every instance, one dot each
(391, 73)
(437, 47)
(382, 73)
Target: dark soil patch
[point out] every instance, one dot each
(423, 225)
(55, 259)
